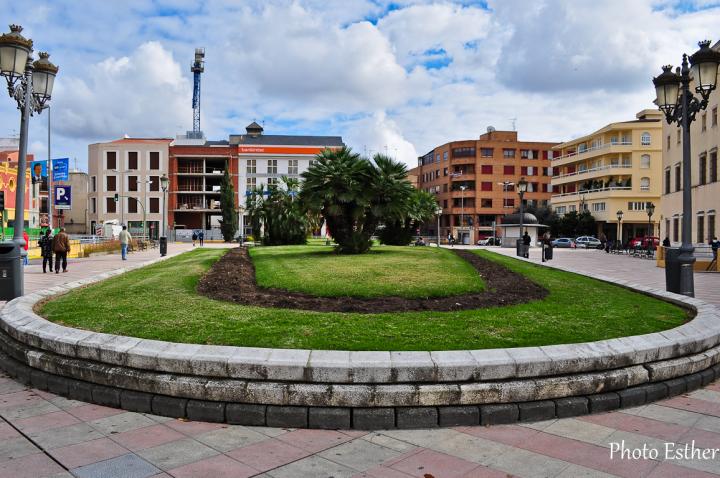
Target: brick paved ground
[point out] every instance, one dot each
(43, 435)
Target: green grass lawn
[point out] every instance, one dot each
(160, 302)
(384, 271)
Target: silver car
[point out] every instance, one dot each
(588, 242)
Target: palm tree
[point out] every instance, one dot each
(421, 208)
(276, 215)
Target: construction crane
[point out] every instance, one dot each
(197, 67)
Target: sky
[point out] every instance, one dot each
(397, 77)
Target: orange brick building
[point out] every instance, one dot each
(474, 181)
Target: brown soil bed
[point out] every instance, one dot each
(232, 278)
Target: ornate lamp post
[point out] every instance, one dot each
(680, 106)
(619, 215)
(438, 213)
(30, 84)
(462, 210)
(164, 181)
(650, 209)
(522, 188)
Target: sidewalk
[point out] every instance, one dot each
(43, 435)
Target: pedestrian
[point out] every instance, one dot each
(545, 244)
(201, 236)
(125, 239)
(714, 245)
(194, 237)
(526, 243)
(26, 247)
(666, 242)
(61, 248)
(46, 250)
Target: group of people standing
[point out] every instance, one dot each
(59, 245)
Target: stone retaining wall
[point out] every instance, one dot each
(341, 389)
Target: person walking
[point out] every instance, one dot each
(61, 248)
(201, 237)
(46, 250)
(194, 237)
(26, 247)
(125, 239)
(526, 245)
(715, 245)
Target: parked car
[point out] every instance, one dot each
(643, 241)
(489, 241)
(588, 242)
(563, 242)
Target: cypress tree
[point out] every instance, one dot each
(229, 221)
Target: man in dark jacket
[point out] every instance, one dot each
(46, 250)
(61, 247)
(526, 242)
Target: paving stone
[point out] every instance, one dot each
(536, 411)
(245, 414)
(78, 390)
(14, 448)
(693, 381)
(417, 417)
(206, 411)
(63, 436)
(655, 392)
(676, 386)
(632, 397)
(373, 418)
(177, 453)
(106, 396)
(498, 414)
(571, 406)
(329, 418)
(133, 401)
(229, 438)
(603, 402)
(458, 416)
(288, 417)
(313, 466)
(359, 455)
(121, 422)
(125, 466)
(169, 406)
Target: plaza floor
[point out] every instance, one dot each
(43, 435)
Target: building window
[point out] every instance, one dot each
(132, 183)
(667, 228)
(598, 206)
(508, 153)
(711, 226)
(572, 208)
(445, 171)
(93, 206)
(132, 205)
(437, 173)
(714, 116)
(703, 122)
(486, 169)
(668, 143)
(154, 205)
(445, 155)
(676, 229)
(560, 210)
(251, 166)
(645, 161)
(272, 166)
(110, 205)
(155, 160)
(486, 186)
(509, 170)
(645, 139)
(509, 202)
(293, 166)
(678, 181)
(111, 183)
(111, 160)
(311, 163)
(272, 182)
(463, 152)
(644, 184)
(636, 206)
(486, 152)
(132, 160)
(437, 158)
(713, 166)
(93, 184)
(702, 173)
(700, 228)
(250, 183)
(155, 183)
(678, 136)
(667, 181)
(485, 202)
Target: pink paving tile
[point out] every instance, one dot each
(22, 397)
(507, 434)
(668, 470)
(268, 454)
(434, 463)
(218, 467)
(694, 405)
(46, 422)
(7, 432)
(46, 395)
(714, 386)
(314, 440)
(382, 472)
(147, 437)
(30, 466)
(88, 452)
(702, 438)
(402, 457)
(354, 433)
(88, 413)
(485, 472)
(193, 428)
(641, 425)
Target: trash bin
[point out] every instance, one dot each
(11, 279)
(519, 248)
(672, 269)
(163, 246)
(548, 253)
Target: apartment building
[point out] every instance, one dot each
(129, 168)
(704, 141)
(75, 220)
(475, 181)
(8, 181)
(616, 168)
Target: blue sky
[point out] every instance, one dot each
(401, 76)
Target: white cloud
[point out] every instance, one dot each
(379, 134)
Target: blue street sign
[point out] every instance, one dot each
(63, 197)
(61, 169)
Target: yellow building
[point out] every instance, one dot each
(616, 168)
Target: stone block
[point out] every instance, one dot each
(531, 362)
(498, 414)
(248, 363)
(58, 385)
(417, 417)
(454, 365)
(133, 401)
(458, 416)
(329, 418)
(693, 381)
(655, 392)
(632, 397)
(287, 364)
(287, 417)
(707, 376)
(370, 367)
(373, 418)
(329, 366)
(210, 361)
(206, 411)
(79, 390)
(536, 411)
(676, 386)
(39, 379)
(169, 406)
(571, 407)
(603, 402)
(107, 396)
(245, 414)
(412, 367)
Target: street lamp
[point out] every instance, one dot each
(522, 188)
(438, 213)
(680, 106)
(164, 181)
(30, 84)
(650, 209)
(619, 215)
(462, 208)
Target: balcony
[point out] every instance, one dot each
(463, 160)
(468, 193)
(618, 147)
(462, 176)
(592, 191)
(593, 173)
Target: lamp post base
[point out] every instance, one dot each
(679, 264)
(163, 246)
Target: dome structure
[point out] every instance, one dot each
(515, 219)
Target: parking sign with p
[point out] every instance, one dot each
(63, 197)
